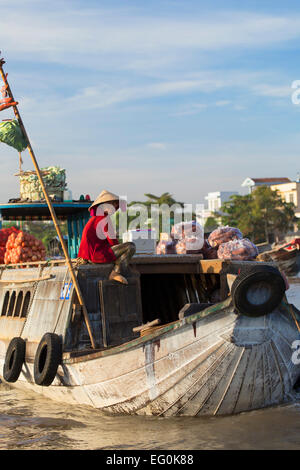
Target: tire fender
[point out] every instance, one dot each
(258, 290)
(47, 359)
(14, 359)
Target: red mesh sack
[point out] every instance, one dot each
(243, 250)
(224, 235)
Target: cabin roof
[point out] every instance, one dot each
(40, 210)
(270, 180)
(267, 181)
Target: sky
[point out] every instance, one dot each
(153, 96)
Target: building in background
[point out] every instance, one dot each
(215, 200)
(252, 183)
(289, 192)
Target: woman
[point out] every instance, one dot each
(99, 243)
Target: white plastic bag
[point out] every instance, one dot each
(191, 234)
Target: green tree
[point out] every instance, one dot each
(44, 231)
(210, 224)
(276, 215)
(237, 213)
(259, 215)
(164, 199)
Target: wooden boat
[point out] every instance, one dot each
(203, 359)
(286, 258)
(223, 341)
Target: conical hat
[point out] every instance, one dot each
(104, 196)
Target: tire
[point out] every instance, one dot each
(257, 290)
(14, 359)
(47, 359)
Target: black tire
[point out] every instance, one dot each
(245, 295)
(14, 359)
(47, 359)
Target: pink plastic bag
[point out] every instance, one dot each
(243, 250)
(224, 235)
(208, 251)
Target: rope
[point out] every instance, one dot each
(294, 317)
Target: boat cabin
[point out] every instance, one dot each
(75, 213)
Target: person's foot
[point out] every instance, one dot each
(114, 276)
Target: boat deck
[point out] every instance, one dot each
(193, 264)
(155, 264)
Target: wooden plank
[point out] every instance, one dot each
(230, 399)
(121, 310)
(211, 266)
(168, 268)
(209, 382)
(214, 402)
(21, 281)
(146, 325)
(245, 396)
(165, 259)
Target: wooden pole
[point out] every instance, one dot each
(52, 212)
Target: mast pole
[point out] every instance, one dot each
(50, 206)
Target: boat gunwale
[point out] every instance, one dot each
(87, 355)
(70, 357)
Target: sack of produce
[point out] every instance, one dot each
(23, 247)
(191, 233)
(181, 247)
(243, 250)
(224, 235)
(166, 247)
(12, 135)
(54, 179)
(4, 234)
(208, 251)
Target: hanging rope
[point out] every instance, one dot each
(293, 315)
(20, 162)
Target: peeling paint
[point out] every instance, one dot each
(150, 370)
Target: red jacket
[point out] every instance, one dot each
(96, 243)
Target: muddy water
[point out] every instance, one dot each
(30, 422)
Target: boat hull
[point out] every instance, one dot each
(286, 260)
(211, 363)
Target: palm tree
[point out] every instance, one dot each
(165, 198)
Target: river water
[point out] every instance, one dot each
(31, 422)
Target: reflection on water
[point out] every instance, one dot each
(28, 421)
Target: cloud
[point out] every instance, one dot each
(97, 87)
(196, 108)
(106, 95)
(222, 103)
(157, 145)
(279, 91)
(124, 38)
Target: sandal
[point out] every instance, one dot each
(114, 276)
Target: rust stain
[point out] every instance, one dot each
(157, 343)
(195, 329)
